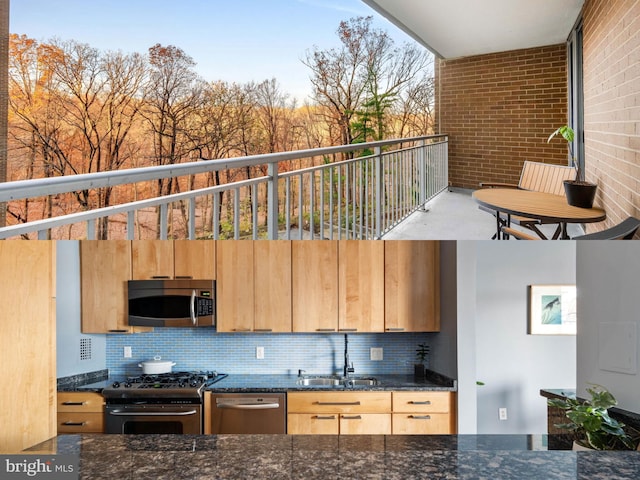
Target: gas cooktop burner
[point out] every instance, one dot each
(176, 384)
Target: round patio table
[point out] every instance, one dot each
(546, 207)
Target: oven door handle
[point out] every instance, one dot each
(192, 308)
(248, 406)
(120, 413)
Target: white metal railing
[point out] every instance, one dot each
(358, 198)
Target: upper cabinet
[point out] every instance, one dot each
(167, 259)
(272, 285)
(105, 268)
(314, 276)
(412, 286)
(253, 290)
(361, 286)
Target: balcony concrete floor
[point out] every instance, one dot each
(454, 215)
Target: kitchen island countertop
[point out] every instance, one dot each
(175, 457)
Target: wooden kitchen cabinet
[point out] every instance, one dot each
(361, 286)
(272, 287)
(424, 413)
(234, 286)
(80, 412)
(27, 343)
(254, 286)
(344, 413)
(314, 276)
(168, 259)
(105, 268)
(412, 286)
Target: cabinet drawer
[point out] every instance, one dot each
(416, 402)
(80, 402)
(312, 424)
(421, 424)
(365, 424)
(80, 422)
(339, 402)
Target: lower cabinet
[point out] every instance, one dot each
(423, 413)
(80, 412)
(371, 413)
(344, 413)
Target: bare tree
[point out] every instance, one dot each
(173, 93)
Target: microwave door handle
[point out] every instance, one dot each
(192, 308)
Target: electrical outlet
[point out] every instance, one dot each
(260, 353)
(376, 353)
(502, 413)
(127, 352)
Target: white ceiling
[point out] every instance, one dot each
(460, 28)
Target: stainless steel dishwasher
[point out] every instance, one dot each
(249, 413)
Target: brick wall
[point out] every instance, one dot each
(499, 110)
(611, 57)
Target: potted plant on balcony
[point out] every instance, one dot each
(580, 193)
(422, 353)
(590, 423)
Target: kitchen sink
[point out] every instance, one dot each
(333, 381)
(359, 382)
(309, 381)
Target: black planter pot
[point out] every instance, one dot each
(418, 370)
(580, 194)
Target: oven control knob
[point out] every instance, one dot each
(127, 385)
(116, 385)
(193, 383)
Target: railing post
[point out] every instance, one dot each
(422, 168)
(272, 201)
(378, 179)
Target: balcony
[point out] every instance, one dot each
(365, 192)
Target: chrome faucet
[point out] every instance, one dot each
(347, 368)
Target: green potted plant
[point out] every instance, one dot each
(422, 352)
(579, 192)
(590, 423)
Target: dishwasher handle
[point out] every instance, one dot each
(248, 406)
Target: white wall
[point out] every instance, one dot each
(608, 281)
(513, 365)
(68, 316)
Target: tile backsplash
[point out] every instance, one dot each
(205, 349)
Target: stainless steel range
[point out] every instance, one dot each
(163, 403)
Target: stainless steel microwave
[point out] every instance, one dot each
(172, 303)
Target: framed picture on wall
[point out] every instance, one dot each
(552, 310)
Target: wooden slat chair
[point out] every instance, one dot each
(625, 230)
(539, 177)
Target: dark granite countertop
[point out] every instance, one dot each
(238, 383)
(452, 457)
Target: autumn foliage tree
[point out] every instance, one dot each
(75, 109)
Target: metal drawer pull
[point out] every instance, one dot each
(73, 403)
(75, 424)
(160, 277)
(119, 413)
(329, 417)
(428, 402)
(394, 329)
(118, 330)
(348, 329)
(263, 330)
(338, 403)
(325, 329)
(241, 329)
(248, 406)
(179, 277)
(420, 417)
(354, 417)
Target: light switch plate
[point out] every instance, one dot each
(260, 353)
(376, 353)
(127, 352)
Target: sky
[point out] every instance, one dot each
(230, 40)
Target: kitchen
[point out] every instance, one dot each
(234, 353)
